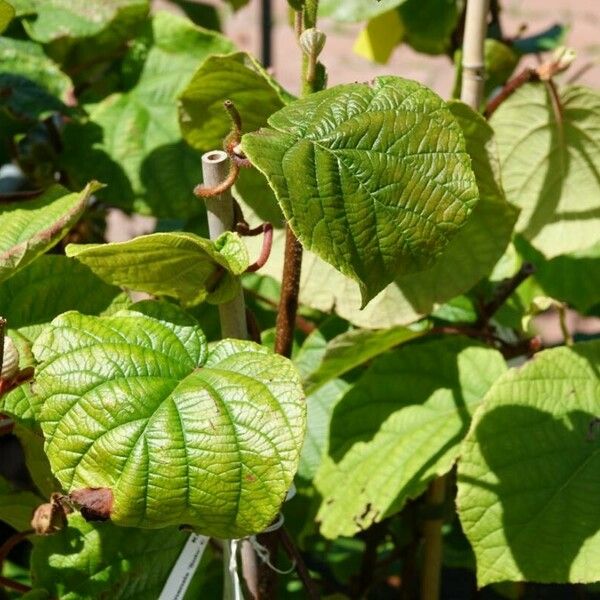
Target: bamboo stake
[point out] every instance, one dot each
(215, 168)
(232, 314)
(473, 66)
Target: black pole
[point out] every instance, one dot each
(265, 32)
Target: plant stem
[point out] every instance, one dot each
(215, 168)
(503, 293)
(288, 301)
(473, 74)
(291, 550)
(11, 584)
(432, 549)
(562, 319)
(526, 75)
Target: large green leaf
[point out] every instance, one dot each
(28, 229)
(180, 265)
(7, 12)
(355, 10)
(375, 179)
(62, 284)
(551, 165)
(25, 58)
(237, 77)
(179, 432)
(469, 256)
(49, 20)
(529, 473)
(91, 561)
(133, 140)
(399, 427)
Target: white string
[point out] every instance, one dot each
(264, 555)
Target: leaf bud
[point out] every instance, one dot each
(312, 42)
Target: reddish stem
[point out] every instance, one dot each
(11, 584)
(265, 250)
(525, 76)
(290, 287)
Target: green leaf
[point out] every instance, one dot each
(382, 34)
(31, 227)
(355, 348)
(27, 59)
(56, 19)
(571, 278)
(551, 165)
(429, 24)
(133, 141)
(529, 472)
(180, 265)
(320, 406)
(469, 256)
(237, 77)
(179, 432)
(48, 287)
(17, 506)
(399, 427)
(7, 12)
(355, 10)
(87, 561)
(379, 176)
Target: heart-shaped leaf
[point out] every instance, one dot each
(179, 432)
(399, 427)
(550, 153)
(375, 179)
(529, 472)
(30, 228)
(181, 265)
(469, 256)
